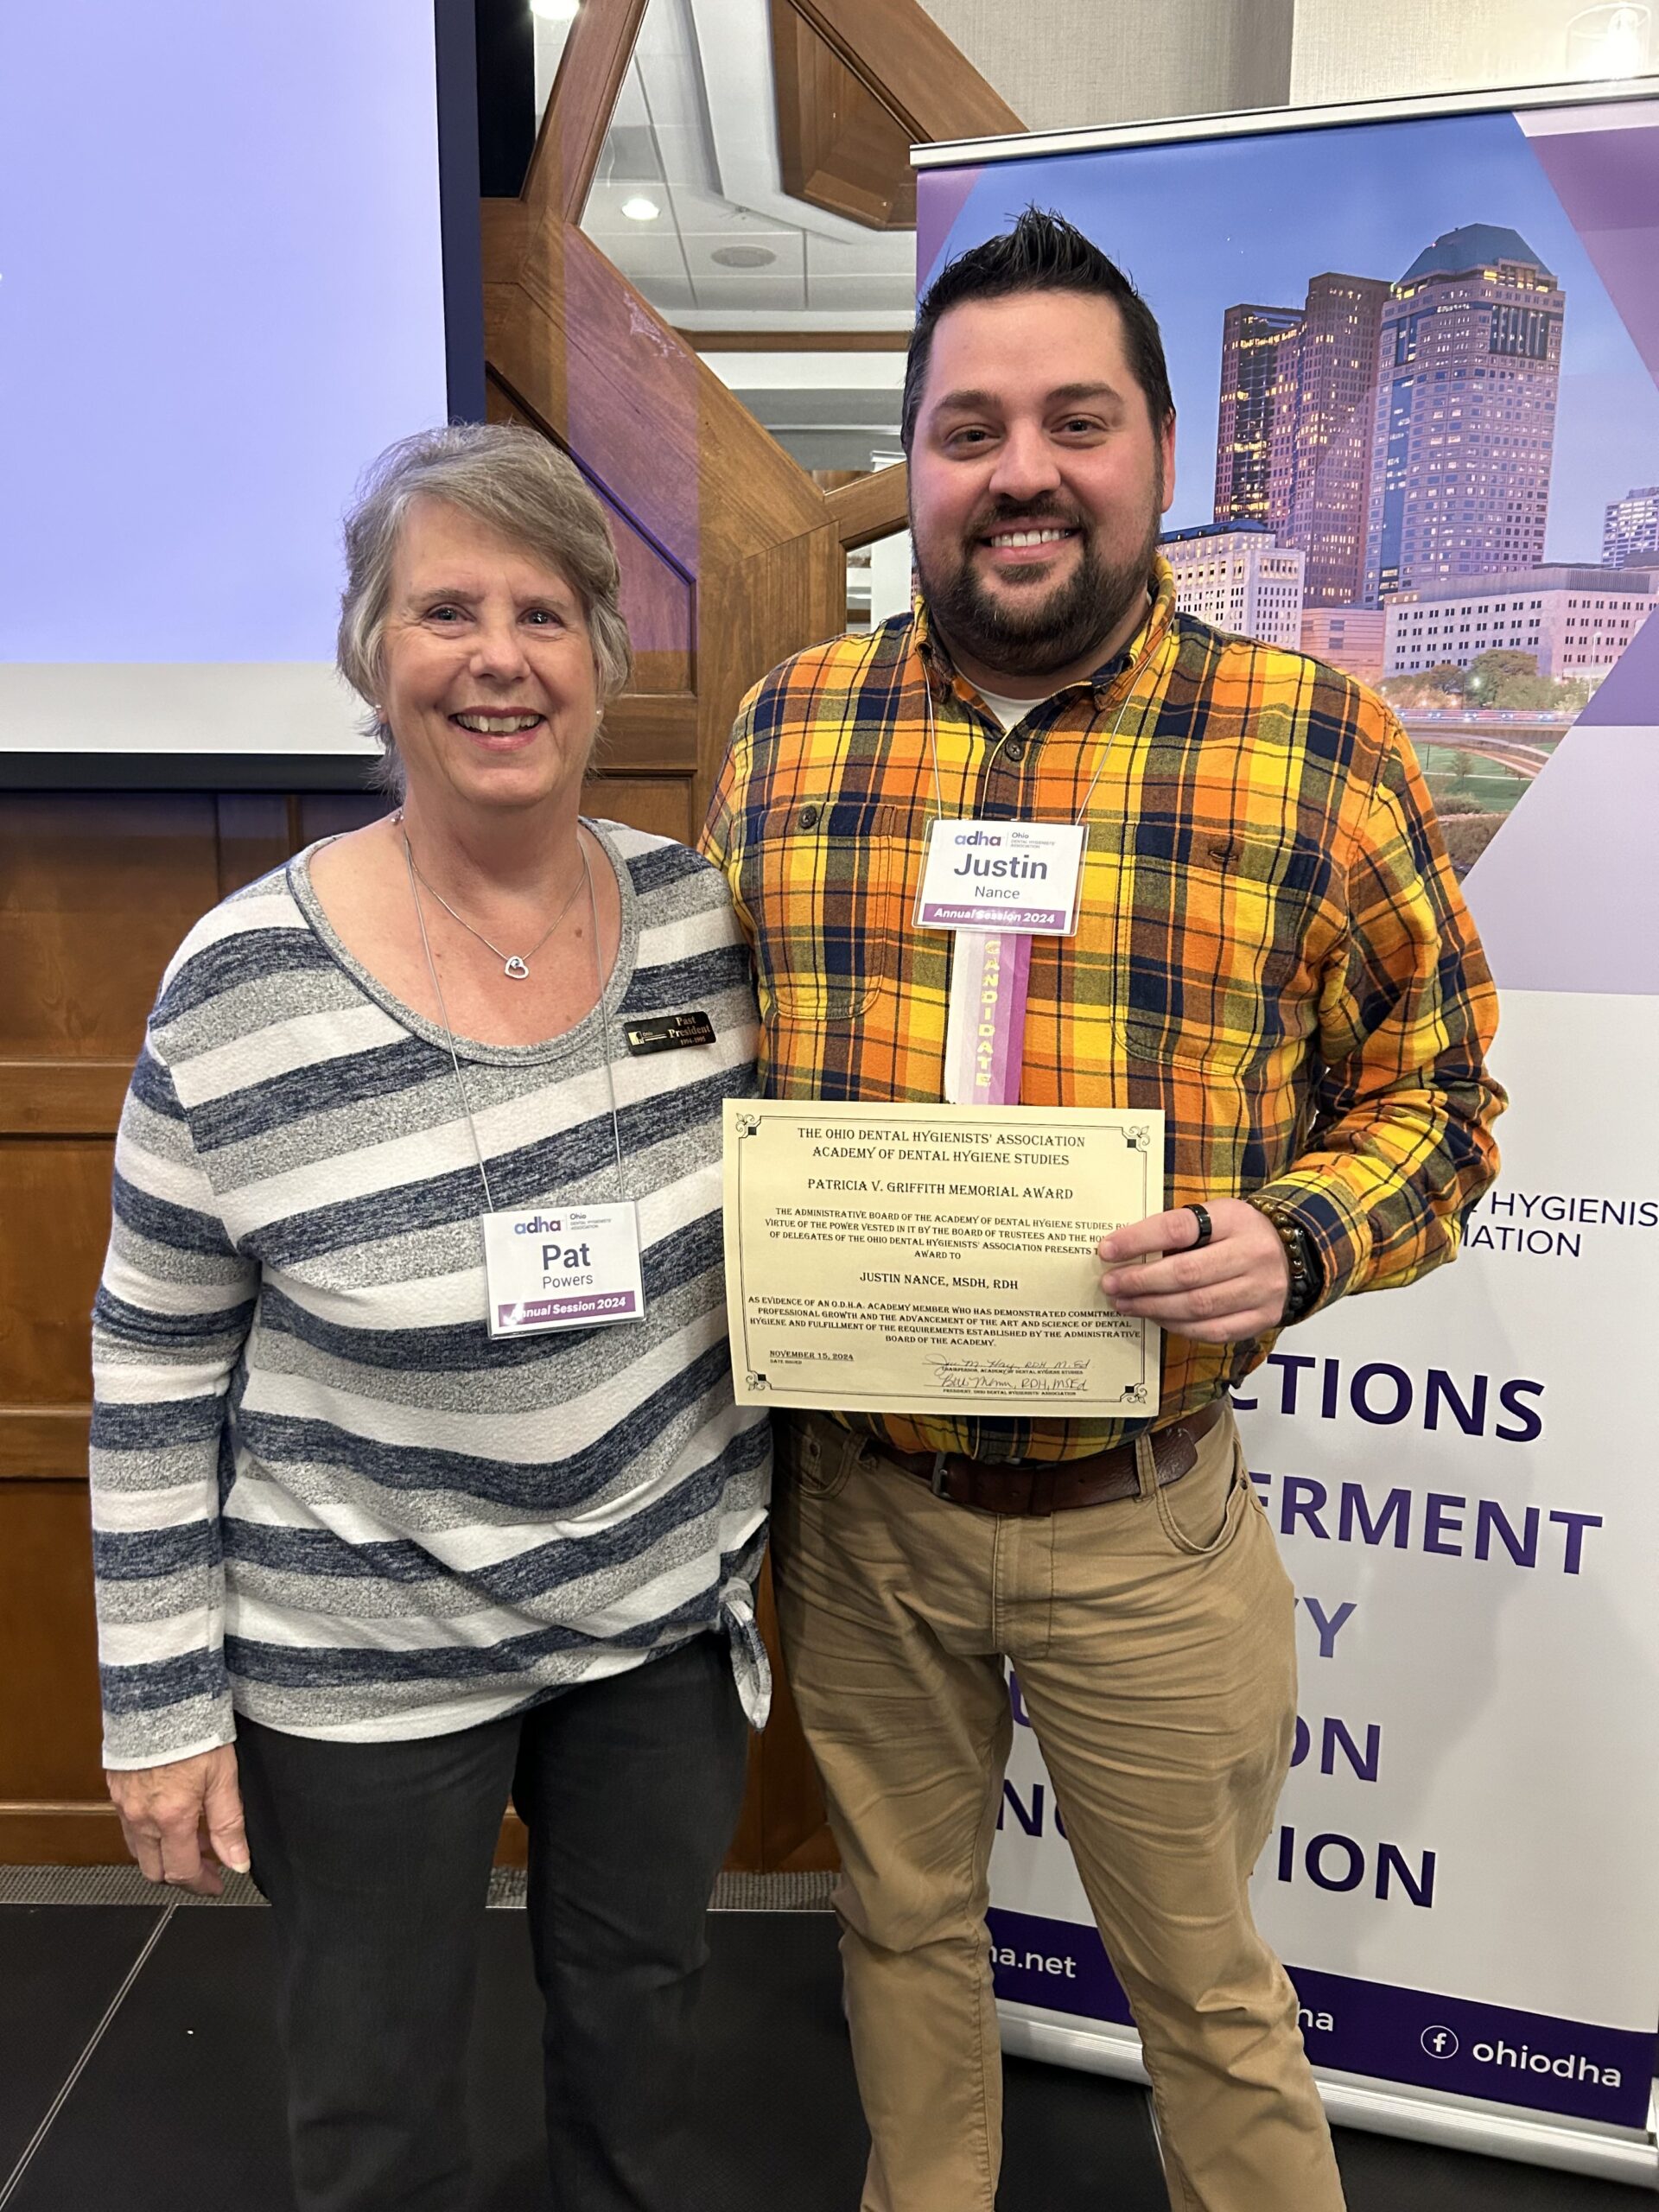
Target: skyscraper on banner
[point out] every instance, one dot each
(1293, 449)
(1254, 434)
(1336, 385)
(1235, 574)
(1400, 435)
(1464, 420)
(1632, 530)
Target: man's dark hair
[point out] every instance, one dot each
(1042, 253)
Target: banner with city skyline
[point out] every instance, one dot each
(1417, 438)
(1415, 359)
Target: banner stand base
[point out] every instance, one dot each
(1493, 2131)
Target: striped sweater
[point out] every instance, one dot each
(322, 1495)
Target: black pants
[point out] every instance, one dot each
(376, 1858)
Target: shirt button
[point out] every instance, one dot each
(1015, 750)
(808, 817)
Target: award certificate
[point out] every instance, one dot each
(936, 1259)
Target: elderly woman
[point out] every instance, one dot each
(417, 1481)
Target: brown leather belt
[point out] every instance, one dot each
(1053, 1485)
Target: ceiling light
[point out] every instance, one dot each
(1609, 41)
(554, 11)
(641, 210)
(1624, 43)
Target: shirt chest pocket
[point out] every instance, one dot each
(820, 879)
(1213, 965)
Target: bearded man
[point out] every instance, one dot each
(1270, 946)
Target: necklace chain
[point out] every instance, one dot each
(601, 981)
(513, 964)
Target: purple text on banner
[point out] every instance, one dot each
(1411, 2036)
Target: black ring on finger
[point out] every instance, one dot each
(1206, 1227)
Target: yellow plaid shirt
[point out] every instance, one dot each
(1272, 946)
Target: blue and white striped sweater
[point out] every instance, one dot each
(322, 1495)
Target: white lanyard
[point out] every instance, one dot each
(994, 885)
(581, 1265)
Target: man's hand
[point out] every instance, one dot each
(183, 1822)
(1235, 1288)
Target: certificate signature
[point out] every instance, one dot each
(1057, 1378)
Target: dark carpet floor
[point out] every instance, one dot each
(176, 2107)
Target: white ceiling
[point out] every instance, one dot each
(829, 409)
(694, 130)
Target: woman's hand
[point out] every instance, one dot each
(183, 1822)
(1220, 1293)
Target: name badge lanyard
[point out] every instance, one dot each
(580, 1267)
(990, 969)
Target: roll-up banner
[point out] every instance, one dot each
(1415, 358)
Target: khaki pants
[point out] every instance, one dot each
(1153, 1639)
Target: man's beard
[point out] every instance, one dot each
(1038, 630)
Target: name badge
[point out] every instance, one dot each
(562, 1267)
(667, 1033)
(1021, 877)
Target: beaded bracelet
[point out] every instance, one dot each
(1306, 1280)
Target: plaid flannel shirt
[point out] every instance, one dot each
(1272, 946)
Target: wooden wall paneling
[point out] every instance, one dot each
(44, 1443)
(654, 733)
(873, 506)
(658, 594)
(597, 50)
(658, 602)
(655, 428)
(839, 148)
(912, 66)
(524, 352)
(797, 589)
(96, 891)
(55, 1215)
(61, 1097)
(54, 1807)
(670, 444)
(659, 804)
(256, 831)
(331, 814)
(54, 1201)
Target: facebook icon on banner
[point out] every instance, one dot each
(1439, 2043)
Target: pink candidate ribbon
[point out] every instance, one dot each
(985, 1029)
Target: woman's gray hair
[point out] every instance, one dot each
(516, 483)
